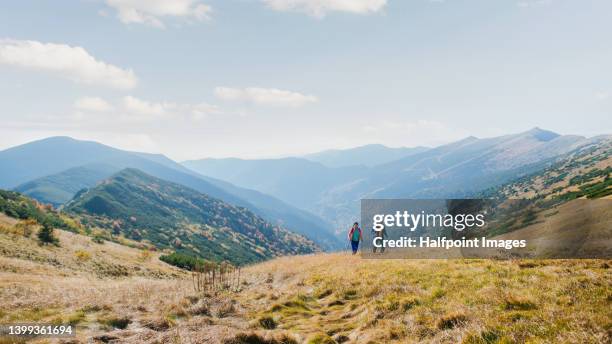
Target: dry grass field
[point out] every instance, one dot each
(118, 294)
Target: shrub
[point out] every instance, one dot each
(145, 255)
(117, 322)
(350, 294)
(267, 322)
(484, 337)
(76, 317)
(82, 255)
(408, 303)
(321, 339)
(157, 324)
(46, 235)
(20, 207)
(226, 308)
(451, 320)
(325, 293)
(94, 308)
(256, 338)
(182, 261)
(200, 308)
(26, 227)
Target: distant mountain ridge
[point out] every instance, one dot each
(59, 188)
(298, 181)
(173, 216)
(452, 170)
(53, 169)
(289, 191)
(368, 155)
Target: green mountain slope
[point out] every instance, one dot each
(530, 203)
(175, 217)
(52, 170)
(584, 172)
(18, 206)
(57, 189)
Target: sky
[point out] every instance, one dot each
(269, 78)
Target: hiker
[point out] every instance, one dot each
(380, 234)
(355, 237)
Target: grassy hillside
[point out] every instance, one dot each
(558, 192)
(172, 216)
(77, 256)
(331, 298)
(584, 172)
(14, 205)
(113, 292)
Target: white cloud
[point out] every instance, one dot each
(139, 109)
(603, 95)
(74, 63)
(94, 104)
(533, 3)
(143, 107)
(264, 96)
(319, 8)
(150, 12)
(203, 110)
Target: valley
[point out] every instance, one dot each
(122, 232)
(305, 172)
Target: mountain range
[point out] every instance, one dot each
(368, 155)
(456, 169)
(315, 195)
(52, 170)
(170, 215)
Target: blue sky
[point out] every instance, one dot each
(261, 78)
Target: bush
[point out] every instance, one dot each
(145, 255)
(46, 235)
(15, 205)
(267, 322)
(117, 322)
(256, 338)
(451, 320)
(225, 309)
(26, 227)
(157, 324)
(182, 261)
(321, 338)
(200, 308)
(82, 255)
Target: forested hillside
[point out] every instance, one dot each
(52, 170)
(172, 216)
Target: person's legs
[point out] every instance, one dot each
(355, 246)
